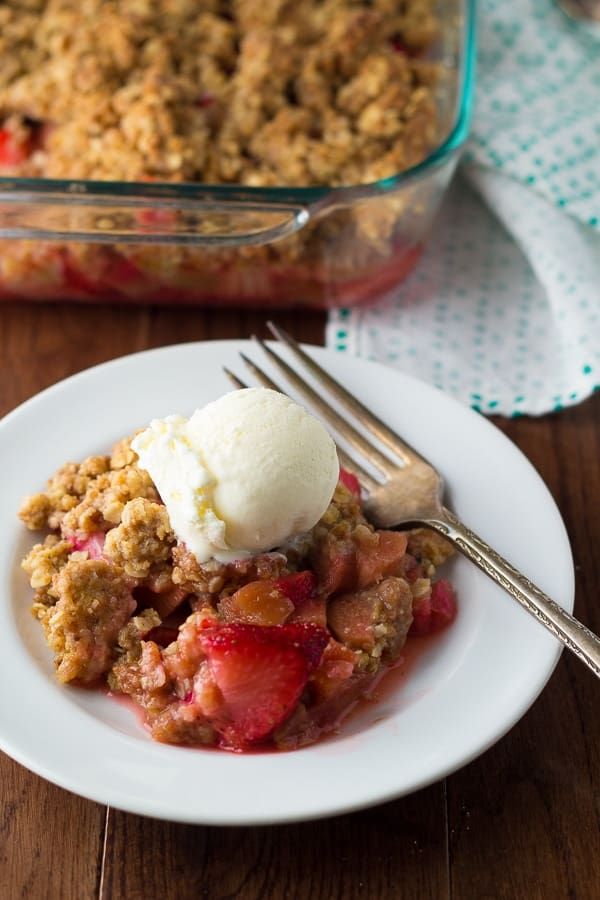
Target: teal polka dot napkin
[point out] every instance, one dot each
(503, 310)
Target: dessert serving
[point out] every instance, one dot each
(220, 573)
(220, 150)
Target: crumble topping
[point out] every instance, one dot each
(90, 496)
(82, 627)
(252, 92)
(142, 539)
(42, 563)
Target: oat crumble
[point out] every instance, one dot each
(222, 92)
(253, 92)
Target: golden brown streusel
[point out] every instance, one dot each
(130, 637)
(122, 454)
(255, 92)
(143, 539)
(83, 498)
(102, 504)
(82, 627)
(217, 579)
(35, 511)
(431, 549)
(63, 492)
(42, 563)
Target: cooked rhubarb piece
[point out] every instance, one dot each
(257, 603)
(374, 619)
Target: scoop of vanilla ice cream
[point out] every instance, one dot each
(243, 474)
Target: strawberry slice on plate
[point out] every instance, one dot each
(261, 672)
(350, 481)
(92, 543)
(435, 610)
(298, 587)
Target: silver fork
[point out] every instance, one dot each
(408, 492)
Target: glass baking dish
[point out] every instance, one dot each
(237, 246)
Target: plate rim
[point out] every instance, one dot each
(151, 808)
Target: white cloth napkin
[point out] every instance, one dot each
(503, 309)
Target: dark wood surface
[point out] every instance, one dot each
(521, 821)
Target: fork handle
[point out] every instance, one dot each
(560, 623)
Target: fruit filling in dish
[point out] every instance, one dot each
(220, 572)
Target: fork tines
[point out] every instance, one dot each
(380, 462)
(267, 382)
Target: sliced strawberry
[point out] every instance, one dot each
(421, 616)
(261, 672)
(350, 481)
(12, 150)
(204, 100)
(435, 610)
(400, 46)
(92, 544)
(79, 283)
(309, 639)
(443, 604)
(298, 587)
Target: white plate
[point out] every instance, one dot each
(463, 692)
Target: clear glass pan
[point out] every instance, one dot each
(216, 245)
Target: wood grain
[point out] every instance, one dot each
(521, 822)
(51, 842)
(42, 343)
(524, 818)
(399, 847)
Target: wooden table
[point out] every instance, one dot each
(521, 822)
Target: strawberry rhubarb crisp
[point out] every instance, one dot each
(246, 93)
(234, 615)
